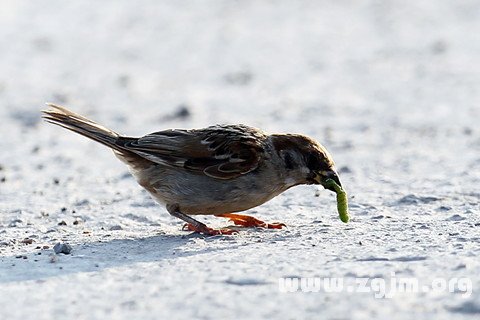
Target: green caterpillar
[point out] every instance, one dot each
(342, 201)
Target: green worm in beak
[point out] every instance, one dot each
(342, 201)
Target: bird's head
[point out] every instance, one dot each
(305, 160)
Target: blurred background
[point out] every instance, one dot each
(391, 88)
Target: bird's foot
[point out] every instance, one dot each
(249, 221)
(208, 231)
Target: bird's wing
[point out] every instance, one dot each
(222, 152)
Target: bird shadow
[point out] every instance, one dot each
(96, 256)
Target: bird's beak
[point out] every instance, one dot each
(325, 175)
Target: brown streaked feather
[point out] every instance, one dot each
(222, 152)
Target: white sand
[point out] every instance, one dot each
(390, 88)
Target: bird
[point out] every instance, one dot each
(219, 170)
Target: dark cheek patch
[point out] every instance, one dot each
(289, 162)
(315, 162)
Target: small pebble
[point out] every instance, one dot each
(182, 112)
(62, 248)
(27, 241)
(62, 223)
(460, 266)
(116, 227)
(444, 208)
(456, 217)
(15, 223)
(345, 169)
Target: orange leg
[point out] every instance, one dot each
(248, 221)
(195, 225)
(208, 231)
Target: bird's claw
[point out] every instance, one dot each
(249, 221)
(275, 225)
(208, 231)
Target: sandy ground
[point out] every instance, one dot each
(390, 87)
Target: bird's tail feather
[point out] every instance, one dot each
(65, 118)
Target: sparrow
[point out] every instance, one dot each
(218, 170)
